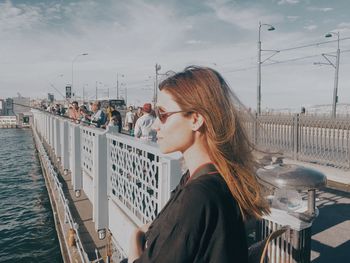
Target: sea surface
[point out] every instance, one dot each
(27, 229)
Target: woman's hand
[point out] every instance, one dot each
(137, 242)
(145, 227)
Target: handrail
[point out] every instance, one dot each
(64, 201)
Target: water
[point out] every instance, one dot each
(27, 230)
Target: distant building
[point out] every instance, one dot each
(2, 107)
(50, 97)
(8, 122)
(9, 107)
(21, 104)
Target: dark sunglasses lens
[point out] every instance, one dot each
(160, 116)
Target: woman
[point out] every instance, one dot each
(203, 220)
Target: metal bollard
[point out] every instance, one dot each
(287, 208)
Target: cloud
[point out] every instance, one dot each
(292, 18)
(344, 24)
(246, 18)
(290, 2)
(310, 27)
(322, 9)
(194, 42)
(39, 41)
(343, 28)
(17, 18)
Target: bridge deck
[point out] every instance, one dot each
(81, 209)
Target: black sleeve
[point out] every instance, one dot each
(179, 232)
(203, 225)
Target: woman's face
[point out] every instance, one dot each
(175, 134)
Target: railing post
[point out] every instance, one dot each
(57, 138)
(255, 131)
(52, 132)
(47, 123)
(49, 130)
(170, 171)
(296, 136)
(54, 145)
(100, 202)
(46, 126)
(75, 158)
(64, 144)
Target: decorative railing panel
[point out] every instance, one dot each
(87, 150)
(322, 140)
(140, 179)
(135, 179)
(326, 141)
(275, 132)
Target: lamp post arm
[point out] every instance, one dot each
(74, 59)
(276, 52)
(329, 61)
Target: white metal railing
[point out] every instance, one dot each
(63, 200)
(140, 180)
(127, 180)
(322, 140)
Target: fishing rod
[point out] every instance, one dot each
(64, 97)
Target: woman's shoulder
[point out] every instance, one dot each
(209, 182)
(209, 190)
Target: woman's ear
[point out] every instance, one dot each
(197, 121)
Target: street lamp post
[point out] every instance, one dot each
(84, 93)
(122, 75)
(96, 91)
(126, 92)
(336, 76)
(74, 59)
(270, 28)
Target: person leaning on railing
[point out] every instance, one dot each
(74, 113)
(98, 117)
(203, 220)
(143, 126)
(84, 115)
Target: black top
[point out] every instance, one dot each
(200, 223)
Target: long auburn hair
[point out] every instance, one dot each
(203, 90)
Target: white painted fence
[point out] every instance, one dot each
(127, 180)
(321, 140)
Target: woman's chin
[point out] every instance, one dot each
(164, 149)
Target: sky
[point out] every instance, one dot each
(41, 41)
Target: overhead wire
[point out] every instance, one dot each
(313, 44)
(280, 62)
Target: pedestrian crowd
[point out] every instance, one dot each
(137, 122)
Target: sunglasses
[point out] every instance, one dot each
(163, 116)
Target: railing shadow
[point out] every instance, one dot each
(331, 230)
